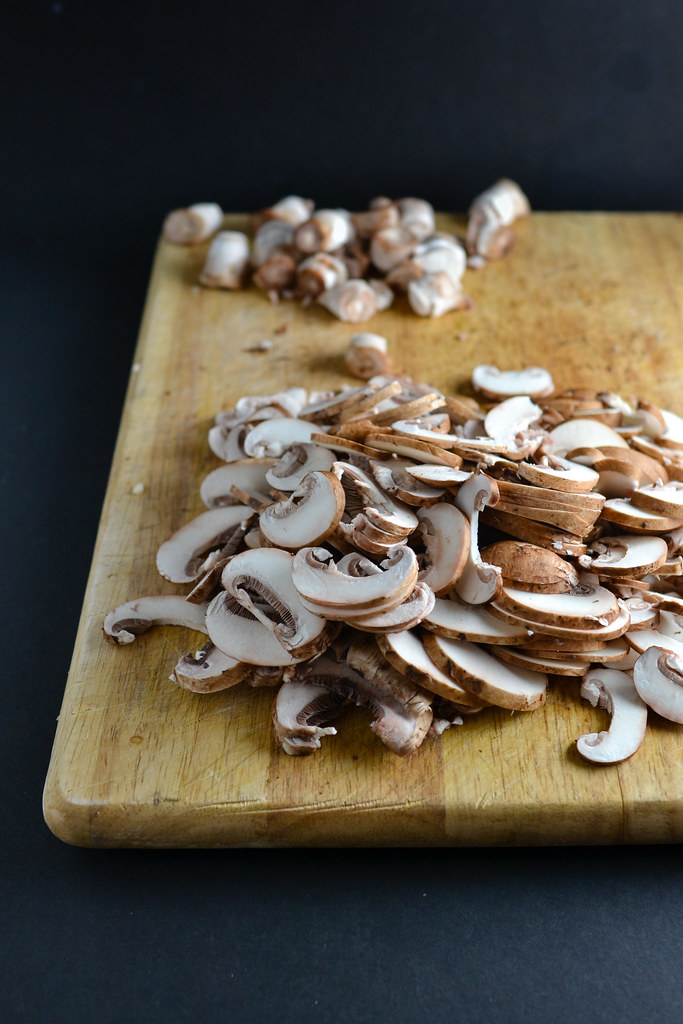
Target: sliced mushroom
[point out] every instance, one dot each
(261, 581)
(629, 516)
(396, 479)
(124, 623)
(367, 356)
(407, 653)
(658, 678)
(446, 536)
(614, 691)
(208, 670)
(182, 558)
(272, 437)
(404, 616)
(322, 583)
(582, 607)
(626, 555)
(479, 672)
(403, 713)
(564, 475)
(462, 621)
(479, 582)
(582, 433)
(308, 516)
(299, 459)
(533, 381)
(248, 474)
(531, 567)
(300, 708)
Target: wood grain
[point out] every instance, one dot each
(596, 298)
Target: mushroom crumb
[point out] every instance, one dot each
(429, 556)
(353, 263)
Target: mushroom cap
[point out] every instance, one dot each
(272, 437)
(247, 474)
(299, 459)
(445, 532)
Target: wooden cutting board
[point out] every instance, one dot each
(597, 299)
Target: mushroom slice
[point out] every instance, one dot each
(509, 423)
(271, 438)
(582, 607)
(658, 678)
(446, 535)
(493, 383)
(247, 474)
(395, 478)
(479, 582)
(672, 437)
(240, 635)
(309, 515)
(625, 514)
(619, 627)
(363, 496)
(614, 691)
(548, 662)
(299, 459)
(123, 624)
(261, 581)
(403, 713)
(412, 448)
(300, 708)
(318, 580)
(460, 621)
(642, 639)
(485, 676)
(531, 567)
(581, 433)
(662, 499)
(563, 476)
(626, 555)
(182, 558)
(208, 670)
(228, 442)
(438, 476)
(407, 653)
(404, 616)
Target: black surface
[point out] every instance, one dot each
(112, 115)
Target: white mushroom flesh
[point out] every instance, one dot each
(402, 483)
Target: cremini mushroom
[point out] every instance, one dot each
(300, 708)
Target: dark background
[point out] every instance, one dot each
(112, 115)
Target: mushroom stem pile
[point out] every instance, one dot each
(353, 263)
(428, 556)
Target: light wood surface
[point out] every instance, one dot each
(598, 300)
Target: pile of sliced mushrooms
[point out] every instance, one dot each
(353, 263)
(428, 556)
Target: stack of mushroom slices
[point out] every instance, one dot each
(429, 556)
